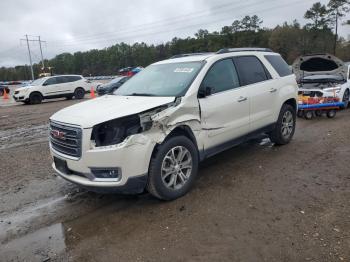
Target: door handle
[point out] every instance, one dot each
(273, 90)
(242, 99)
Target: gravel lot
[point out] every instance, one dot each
(255, 202)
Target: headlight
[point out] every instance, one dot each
(115, 131)
(333, 89)
(25, 90)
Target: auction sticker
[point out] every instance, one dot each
(184, 70)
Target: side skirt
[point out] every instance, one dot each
(234, 142)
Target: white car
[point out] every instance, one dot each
(152, 132)
(323, 75)
(68, 86)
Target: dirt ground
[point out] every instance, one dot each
(255, 202)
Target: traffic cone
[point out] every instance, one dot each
(5, 94)
(92, 93)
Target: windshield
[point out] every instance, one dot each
(38, 82)
(161, 80)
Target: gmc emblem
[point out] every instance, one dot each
(58, 134)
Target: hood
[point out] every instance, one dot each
(105, 86)
(23, 88)
(319, 64)
(90, 113)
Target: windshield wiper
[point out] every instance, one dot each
(140, 94)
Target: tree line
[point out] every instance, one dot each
(318, 35)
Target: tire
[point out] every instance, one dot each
(331, 113)
(285, 126)
(308, 115)
(79, 93)
(346, 98)
(318, 113)
(178, 181)
(35, 98)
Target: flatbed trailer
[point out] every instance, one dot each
(308, 111)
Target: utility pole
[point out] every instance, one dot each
(336, 32)
(41, 53)
(30, 55)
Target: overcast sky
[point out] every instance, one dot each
(79, 25)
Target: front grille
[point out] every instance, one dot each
(66, 139)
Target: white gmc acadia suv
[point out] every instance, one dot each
(68, 86)
(153, 131)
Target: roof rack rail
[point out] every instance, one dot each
(243, 49)
(189, 54)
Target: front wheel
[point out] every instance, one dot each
(35, 98)
(173, 169)
(285, 126)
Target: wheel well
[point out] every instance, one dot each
(179, 131)
(184, 131)
(292, 102)
(36, 92)
(79, 87)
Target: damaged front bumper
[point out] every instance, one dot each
(129, 159)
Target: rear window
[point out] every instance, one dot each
(72, 78)
(250, 70)
(279, 65)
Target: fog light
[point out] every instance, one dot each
(107, 173)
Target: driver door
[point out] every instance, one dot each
(225, 112)
(51, 87)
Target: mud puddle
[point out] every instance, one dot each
(23, 136)
(42, 245)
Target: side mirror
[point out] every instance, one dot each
(45, 84)
(207, 91)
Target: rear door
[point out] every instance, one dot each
(225, 112)
(73, 82)
(261, 88)
(63, 85)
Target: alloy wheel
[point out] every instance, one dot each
(287, 124)
(176, 167)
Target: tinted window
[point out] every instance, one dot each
(279, 65)
(124, 80)
(51, 81)
(250, 70)
(72, 78)
(222, 76)
(61, 80)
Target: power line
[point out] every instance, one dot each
(98, 40)
(187, 16)
(183, 18)
(30, 54)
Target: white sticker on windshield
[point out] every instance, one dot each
(184, 70)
